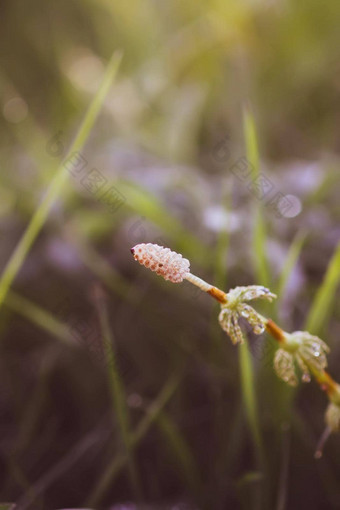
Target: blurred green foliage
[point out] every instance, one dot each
(202, 87)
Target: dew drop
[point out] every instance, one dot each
(306, 378)
(316, 350)
(15, 110)
(319, 449)
(289, 206)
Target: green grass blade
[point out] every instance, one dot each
(180, 450)
(284, 469)
(38, 219)
(250, 137)
(249, 396)
(116, 387)
(259, 235)
(250, 403)
(259, 244)
(137, 435)
(324, 296)
(38, 316)
(291, 259)
(221, 253)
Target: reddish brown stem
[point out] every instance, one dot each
(274, 330)
(218, 294)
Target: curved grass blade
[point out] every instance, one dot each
(284, 470)
(259, 235)
(116, 387)
(38, 219)
(250, 402)
(38, 316)
(324, 296)
(180, 450)
(288, 266)
(249, 397)
(114, 468)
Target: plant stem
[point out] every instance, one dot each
(116, 388)
(206, 287)
(325, 381)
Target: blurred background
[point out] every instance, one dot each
(219, 137)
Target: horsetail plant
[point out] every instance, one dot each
(298, 349)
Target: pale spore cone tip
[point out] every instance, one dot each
(169, 264)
